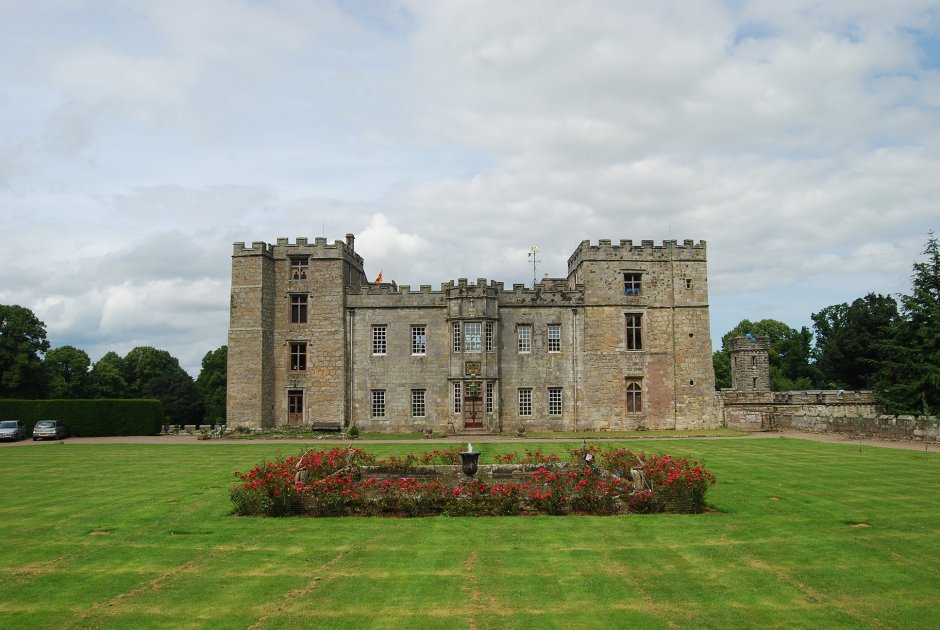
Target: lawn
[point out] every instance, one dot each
(140, 536)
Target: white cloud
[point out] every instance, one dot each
(138, 141)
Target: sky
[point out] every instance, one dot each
(140, 140)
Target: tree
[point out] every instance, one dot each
(22, 342)
(908, 380)
(152, 373)
(721, 361)
(789, 354)
(106, 379)
(850, 340)
(211, 383)
(67, 374)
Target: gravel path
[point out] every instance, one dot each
(480, 439)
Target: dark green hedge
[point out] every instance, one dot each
(89, 418)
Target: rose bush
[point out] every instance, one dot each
(329, 483)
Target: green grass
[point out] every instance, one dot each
(140, 536)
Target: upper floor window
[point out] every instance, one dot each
(525, 338)
(554, 337)
(554, 401)
(489, 336)
(379, 340)
(298, 309)
(634, 330)
(634, 397)
(457, 344)
(472, 336)
(632, 283)
(419, 340)
(298, 356)
(298, 267)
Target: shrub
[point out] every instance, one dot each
(90, 418)
(327, 483)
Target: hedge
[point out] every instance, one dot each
(89, 418)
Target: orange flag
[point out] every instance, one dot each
(378, 278)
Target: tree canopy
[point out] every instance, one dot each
(789, 354)
(211, 383)
(22, 344)
(908, 379)
(850, 340)
(67, 373)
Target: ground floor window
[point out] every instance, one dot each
(525, 401)
(554, 401)
(489, 398)
(458, 398)
(378, 403)
(634, 396)
(418, 406)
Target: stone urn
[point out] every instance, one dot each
(469, 462)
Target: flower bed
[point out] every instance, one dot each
(350, 481)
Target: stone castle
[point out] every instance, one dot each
(622, 343)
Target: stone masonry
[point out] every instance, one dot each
(621, 343)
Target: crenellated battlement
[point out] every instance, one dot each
(646, 251)
(258, 248)
(284, 248)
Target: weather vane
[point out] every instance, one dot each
(535, 261)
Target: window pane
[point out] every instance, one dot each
(471, 339)
(634, 397)
(418, 340)
(554, 401)
(378, 403)
(457, 344)
(298, 309)
(298, 356)
(418, 407)
(525, 402)
(525, 338)
(379, 341)
(634, 332)
(554, 337)
(632, 283)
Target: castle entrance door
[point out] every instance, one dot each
(295, 407)
(473, 406)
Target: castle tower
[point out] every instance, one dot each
(750, 363)
(287, 333)
(647, 345)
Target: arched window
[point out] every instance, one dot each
(634, 397)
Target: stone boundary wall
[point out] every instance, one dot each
(831, 411)
(883, 426)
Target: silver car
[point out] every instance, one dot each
(12, 430)
(50, 429)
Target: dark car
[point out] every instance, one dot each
(46, 429)
(12, 430)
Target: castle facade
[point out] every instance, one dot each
(622, 343)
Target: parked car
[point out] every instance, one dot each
(50, 429)
(12, 430)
